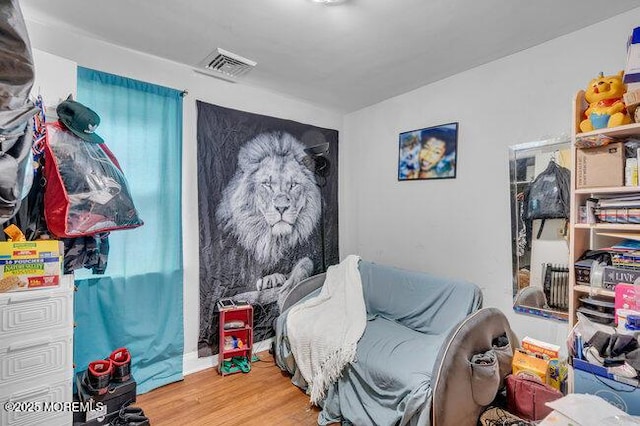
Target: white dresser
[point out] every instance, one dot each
(36, 355)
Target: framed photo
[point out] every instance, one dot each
(429, 153)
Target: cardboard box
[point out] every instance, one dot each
(632, 100)
(601, 166)
(538, 346)
(28, 265)
(523, 361)
(119, 395)
(558, 372)
(621, 392)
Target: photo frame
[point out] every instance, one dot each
(428, 153)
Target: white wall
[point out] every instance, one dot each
(56, 79)
(106, 57)
(461, 227)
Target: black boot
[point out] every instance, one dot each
(96, 378)
(121, 361)
(131, 416)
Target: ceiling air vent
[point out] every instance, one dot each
(226, 64)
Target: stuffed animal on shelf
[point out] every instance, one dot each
(606, 108)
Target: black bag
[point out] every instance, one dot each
(548, 195)
(16, 110)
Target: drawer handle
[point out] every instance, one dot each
(30, 394)
(28, 345)
(14, 300)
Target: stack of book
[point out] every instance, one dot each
(622, 209)
(625, 254)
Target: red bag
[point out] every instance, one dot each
(86, 191)
(526, 396)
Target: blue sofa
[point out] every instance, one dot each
(417, 325)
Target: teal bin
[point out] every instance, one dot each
(620, 392)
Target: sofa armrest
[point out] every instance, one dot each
(454, 402)
(301, 290)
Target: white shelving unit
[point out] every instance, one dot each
(591, 236)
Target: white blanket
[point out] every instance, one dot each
(323, 331)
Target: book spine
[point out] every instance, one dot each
(637, 166)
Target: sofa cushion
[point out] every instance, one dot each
(421, 301)
(387, 344)
(390, 380)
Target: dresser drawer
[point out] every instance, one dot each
(37, 398)
(38, 312)
(42, 360)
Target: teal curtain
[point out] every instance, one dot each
(137, 303)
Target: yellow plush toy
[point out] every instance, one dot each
(606, 108)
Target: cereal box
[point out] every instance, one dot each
(537, 365)
(538, 346)
(28, 265)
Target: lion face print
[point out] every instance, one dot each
(281, 192)
(272, 203)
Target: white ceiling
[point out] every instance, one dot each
(344, 56)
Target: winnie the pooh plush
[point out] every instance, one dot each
(606, 108)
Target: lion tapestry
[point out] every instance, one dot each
(266, 204)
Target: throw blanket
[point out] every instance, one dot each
(323, 331)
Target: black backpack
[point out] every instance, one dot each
(548, 195)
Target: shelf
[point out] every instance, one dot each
(594, 290)
(609, 226)
(233, 352)
(614, 132)
(242, 313)
(609, 190)
(236, 330)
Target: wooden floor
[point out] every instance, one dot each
(265, 396)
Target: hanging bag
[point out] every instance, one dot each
(86, 191)
(548, 195)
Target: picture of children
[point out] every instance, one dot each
(428, 153)
(410, 148)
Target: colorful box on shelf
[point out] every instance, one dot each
(28, 265)
(625, 299)
(632, 69)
